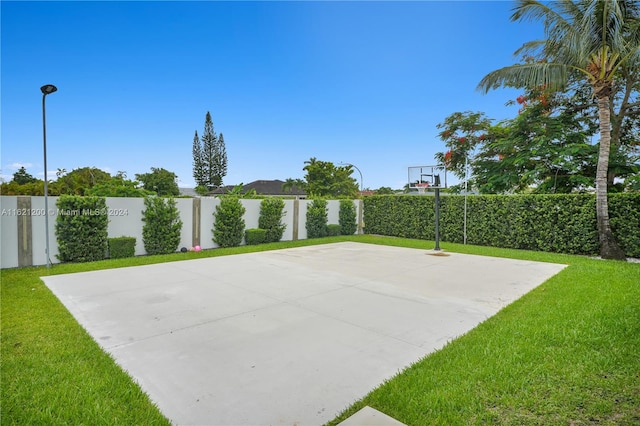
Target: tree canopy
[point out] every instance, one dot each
(160, 181)
(21, 177)
(325, 179)
(595, 39)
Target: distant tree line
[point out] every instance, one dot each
(91, 181)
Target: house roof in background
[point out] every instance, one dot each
(262, 187)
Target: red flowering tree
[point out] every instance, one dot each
(462, 133)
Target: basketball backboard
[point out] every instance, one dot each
(421, 178)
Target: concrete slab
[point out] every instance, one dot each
(368, 416)
(287, 337)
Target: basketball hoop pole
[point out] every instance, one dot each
(437, 247)
(429, 177)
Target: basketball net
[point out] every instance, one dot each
(421, 187)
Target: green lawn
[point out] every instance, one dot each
(566, 353)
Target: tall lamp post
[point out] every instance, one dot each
(352, 165)
(46, 90)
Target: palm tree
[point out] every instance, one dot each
(593, 39)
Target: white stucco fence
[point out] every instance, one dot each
(22, 224)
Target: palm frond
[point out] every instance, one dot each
(553, 76)
(533, 48)
(592, 36)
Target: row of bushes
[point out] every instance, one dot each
(229, 226)
(564, 223)
(317, 219)
(81, 227)
(556, 223)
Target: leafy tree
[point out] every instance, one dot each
(160, 181)
(324, 179)
(540, 149)
(79, 181)
(209, 156)
(199, 172)
(119, 186)
(21, 177)
(625, 120)
(384, 190)
(595, 38)
(291, 184)
(462, 133)
(228, 228)
(32, 188)
(201, 190)
(162, 225)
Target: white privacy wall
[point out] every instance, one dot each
(125, 219)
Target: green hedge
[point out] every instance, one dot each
(271, 213)
(120, 247)
(317, 217)
(347, 217)
(81, 228)
(229, 224)
(254, 236)
(333, 230)
(564, 223)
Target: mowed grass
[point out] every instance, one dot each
(52, 372)
(566, 353)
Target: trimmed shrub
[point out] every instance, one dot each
(347, 217)
(624, 211)
(317, 218)
(228, 228)
(563, 223)
(81, 228)
(333, 230)
(254, 236)
(162, 225)
(271, 213)
(122, 247)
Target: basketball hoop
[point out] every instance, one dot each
(421, 187)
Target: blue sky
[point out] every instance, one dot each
(358, 82)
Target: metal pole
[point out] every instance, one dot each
(46, 89)
(46, 189)
(466, 190)
(437, 218)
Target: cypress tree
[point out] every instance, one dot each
(220, 161)
(209, 148)
(198, 164)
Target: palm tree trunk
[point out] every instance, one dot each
(609, 248)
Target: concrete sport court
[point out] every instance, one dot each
(286, 337)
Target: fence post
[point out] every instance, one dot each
(25, 233)
(296, 219)
(195, 231)
(360, 216)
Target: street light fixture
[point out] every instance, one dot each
(352, 165)
(47, 89)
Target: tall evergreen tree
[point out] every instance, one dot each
(219, 166)
(209, 156)
(198, 163)
(209, 142)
